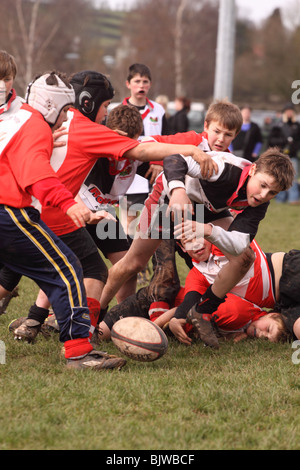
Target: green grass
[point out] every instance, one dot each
(244, 396)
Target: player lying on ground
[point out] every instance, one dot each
(266, 284)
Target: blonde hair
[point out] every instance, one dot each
(226, 113)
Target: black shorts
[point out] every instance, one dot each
(82, 244)
(110, 245)
(289, 288)
(8, 278)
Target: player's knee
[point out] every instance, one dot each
(137, 265)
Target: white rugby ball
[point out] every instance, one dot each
(139, 338)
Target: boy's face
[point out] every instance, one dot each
(139, 86)
(219, 137)
(63, 117)
(202, 253)
(8, 84)
(261, 187)
(102, 112)
(264, 327)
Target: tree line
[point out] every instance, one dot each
(175, 38)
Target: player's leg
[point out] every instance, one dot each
(28, 247)
(135, 259)
(200, 315)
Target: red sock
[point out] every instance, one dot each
(187, 328)
(77, 348)
(157, 309)
(94, 310)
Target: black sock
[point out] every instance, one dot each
(38, 313)
(209, 302)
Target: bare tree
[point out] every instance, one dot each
(40, 34)
(29, 36)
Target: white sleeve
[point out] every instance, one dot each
(230, 242)
(194, 170)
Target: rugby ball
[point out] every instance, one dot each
(139, 338)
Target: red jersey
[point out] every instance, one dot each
(234, 315)
(25, 148)
(256, 286)
(185, 138)
(86, 142)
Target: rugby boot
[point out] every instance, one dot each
(96, 360)
(28, 330)
(204, 326)
(16, 323)
(200, 316)
(51, 324)
(6, 300)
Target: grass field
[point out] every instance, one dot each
(244, 396)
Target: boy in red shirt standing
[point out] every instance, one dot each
(27, 245)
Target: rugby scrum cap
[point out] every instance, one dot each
(91, 90)
(49, 94)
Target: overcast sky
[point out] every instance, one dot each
(255, 10)
(258, 10)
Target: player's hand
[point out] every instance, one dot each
(99, 216)
(176, 326)
(190, 231)
(240, 337)
(207, 164)
(80, 214)
(180, 205)
(153, 172)
(59, 133)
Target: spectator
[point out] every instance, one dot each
(163, 100)
(249, 141)
(179, 122)
(286, 135)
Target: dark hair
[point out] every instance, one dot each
(277, 165)
(186, 103)
(8, 65)
(138, 69)
(52, 79)
(283, 333)
(127, 119)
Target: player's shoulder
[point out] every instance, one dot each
(157, 106)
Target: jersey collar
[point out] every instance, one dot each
(5, 107)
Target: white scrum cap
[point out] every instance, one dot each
(49, 94)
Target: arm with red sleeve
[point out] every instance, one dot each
(51, 192)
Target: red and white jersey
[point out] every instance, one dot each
(152, 116)
(256, 286)
(107, 183)
(186, 138)
(12, 106)
(237, 314)
(86, 142)
(25, 148)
